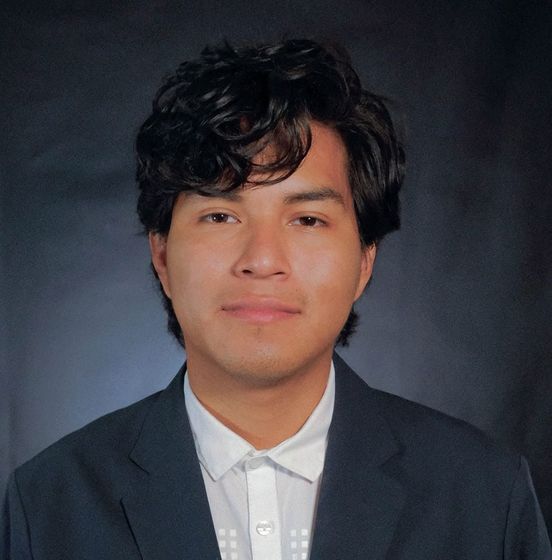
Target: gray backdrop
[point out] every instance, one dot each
(457, 316)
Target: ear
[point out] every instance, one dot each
(366, 266)
(158, 248)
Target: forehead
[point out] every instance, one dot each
(327, 156)
(322, 175)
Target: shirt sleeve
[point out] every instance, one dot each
(15, 532)
(526, 534)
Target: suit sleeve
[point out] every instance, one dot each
(15, 532)
(526, 534)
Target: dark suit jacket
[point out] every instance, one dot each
(400, 481)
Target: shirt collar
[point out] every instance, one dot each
(219, 448)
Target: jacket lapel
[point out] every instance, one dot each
(359, 502)
(166, 505)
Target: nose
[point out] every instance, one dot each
(262, 253)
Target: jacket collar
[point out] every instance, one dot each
(359, 504)
(166, 505)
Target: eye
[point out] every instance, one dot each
(219, 218)
(309, 221)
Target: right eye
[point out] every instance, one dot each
(219, 218)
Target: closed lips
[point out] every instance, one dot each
(260, 305)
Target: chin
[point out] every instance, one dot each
(270, 363)
(260, 367)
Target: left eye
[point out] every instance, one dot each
(219, 218)
(310, 221)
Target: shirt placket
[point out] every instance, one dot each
(264, 519)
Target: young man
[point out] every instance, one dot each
(268, 176)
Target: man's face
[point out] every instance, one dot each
(263, 280)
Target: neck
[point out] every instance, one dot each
(262, 414)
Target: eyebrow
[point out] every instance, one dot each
(325, 193)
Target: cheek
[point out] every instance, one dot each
(332, 275)
(192, 273)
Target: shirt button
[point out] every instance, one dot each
(255, 463)
(265, 528)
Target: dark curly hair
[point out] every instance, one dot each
(217, 112)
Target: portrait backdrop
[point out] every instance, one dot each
(458, 313)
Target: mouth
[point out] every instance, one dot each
(260, 310)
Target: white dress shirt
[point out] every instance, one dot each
(263, 503)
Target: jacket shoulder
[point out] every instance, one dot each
(412, 417)
(439, 443)
(108, 437)
(429, 442)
